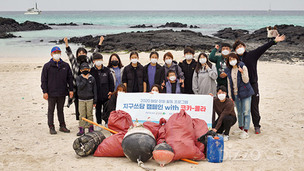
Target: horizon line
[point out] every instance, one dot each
(228, 10)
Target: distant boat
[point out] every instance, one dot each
(269, 9)
(33, 11)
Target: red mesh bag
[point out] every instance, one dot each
(119, 121)
(162, 131)
(200, 128)
(111, 146)
(180, 136)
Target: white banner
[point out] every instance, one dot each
(152, 107)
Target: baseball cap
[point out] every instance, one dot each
(84, 66)
(54, 49)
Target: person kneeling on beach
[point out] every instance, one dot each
(56, 83)
(224, 108)
(87, 93)
(173, 85)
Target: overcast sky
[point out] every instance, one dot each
(70, 5)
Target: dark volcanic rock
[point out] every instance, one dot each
(146, 41)
(4, 35)
(10, 25)
(174, 25)
(142, 26)
(294, 34)
(194, 26)
(229, 33)
(87, 24)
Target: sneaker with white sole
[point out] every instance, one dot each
(97, 128)
(237, 132)
(226, 137)
(244, 135)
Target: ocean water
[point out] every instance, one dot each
(111, 22)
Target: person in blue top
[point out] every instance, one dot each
(240, 90)
(220, 62)
(153, 73)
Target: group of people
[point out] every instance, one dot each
(230, 77)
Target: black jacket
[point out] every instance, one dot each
(86, 88)
(56, 78)
(128, 77)
(188, 70)
(104, 82)
(110, 105)
(159, 77)
(251, 58)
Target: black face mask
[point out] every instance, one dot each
(114, 63)
(81, 59)
(85, 72)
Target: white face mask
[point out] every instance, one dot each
(153, 60)
(203, 60)
(168, 61)
(56, 56)
(233, 62)
(225, 52)
(172, 78)
(240, 51)
(221, 96)
(98, 63)
(134, 60)
(188, 57)
(154, 92)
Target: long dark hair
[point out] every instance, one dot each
(124, 88)
(232, 55)
(119, 61)
(81, 49)
(199, 65)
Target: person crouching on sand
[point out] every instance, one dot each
(56, 83)
(224, 108)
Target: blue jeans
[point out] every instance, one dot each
(243, 110)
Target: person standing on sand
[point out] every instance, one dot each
(133, 75)
(204, 76)
(220, 62)
(56, 83)
(240, 91)
(116, 69)
(81, 56)
(250, 59)
(153, 73)
(87, 93)
(188, 66)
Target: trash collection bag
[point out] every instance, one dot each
(120, 121)
(200, 128)
(180, 136)
(111, 146)
(87, 143)
(153, 127)
(162, 131)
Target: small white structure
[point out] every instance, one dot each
(33, 11)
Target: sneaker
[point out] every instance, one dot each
(237, 132)
(64, 129)
(244, 135)
(97, 128)
(226, 137)
(257, 130)
(52, 130)
(106, 125)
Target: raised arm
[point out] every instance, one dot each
(212, 56)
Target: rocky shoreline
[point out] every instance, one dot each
(11, 25)
(291, 50)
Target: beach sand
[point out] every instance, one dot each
(27, 145)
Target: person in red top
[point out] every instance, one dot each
(224, 108)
